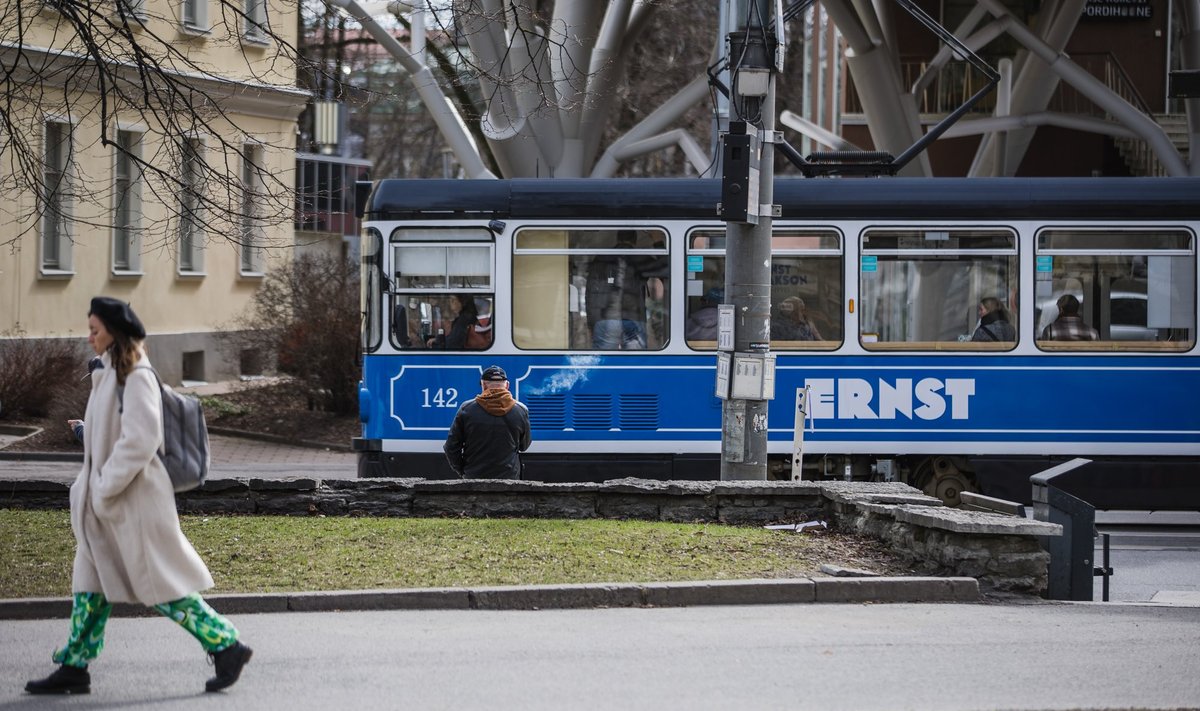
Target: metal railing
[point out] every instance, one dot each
(957, 81)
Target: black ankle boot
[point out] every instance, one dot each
(64, 680)
(229, 663)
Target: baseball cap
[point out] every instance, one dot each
(495, 374)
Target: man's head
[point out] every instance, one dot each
(626, 238)
(494, 378)
(1068, 305)
(714, 296)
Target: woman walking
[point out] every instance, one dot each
(129, 547)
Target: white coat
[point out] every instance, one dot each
(129, 544)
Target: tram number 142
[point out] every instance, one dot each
(442, 397)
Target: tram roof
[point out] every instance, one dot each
(813, 198)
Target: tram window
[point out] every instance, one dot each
(806, 288)
(441, 286)
(1115, 289)
(452, 322)
(371, 289)
(591, 289)
(938, 289)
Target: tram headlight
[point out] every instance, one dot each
(364, 403)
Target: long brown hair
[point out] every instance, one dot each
(992, 304)
(126, 352)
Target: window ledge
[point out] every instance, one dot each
(190, 275)
(193, 32)
(251, 275)
(56, 273)
(256, 41)
(127, 274)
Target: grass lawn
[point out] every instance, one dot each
(280, 554)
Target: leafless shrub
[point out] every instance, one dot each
(37, 372)
(305, 317)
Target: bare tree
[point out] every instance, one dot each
(122, 62)
(305, 320)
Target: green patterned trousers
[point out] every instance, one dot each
(89, 615)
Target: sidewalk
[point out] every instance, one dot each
(232, 458)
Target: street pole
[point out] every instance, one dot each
(747, 197)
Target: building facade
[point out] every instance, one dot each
(151, 158)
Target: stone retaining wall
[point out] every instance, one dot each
(1003, 552)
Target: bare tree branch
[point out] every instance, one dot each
(106, 66)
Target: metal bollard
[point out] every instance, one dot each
(1104, 571)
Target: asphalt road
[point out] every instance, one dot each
(827, 657)
(1151, 563)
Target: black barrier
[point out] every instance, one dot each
(1071, 571)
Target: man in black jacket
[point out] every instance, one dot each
(490, 432)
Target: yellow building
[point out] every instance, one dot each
(170, 189)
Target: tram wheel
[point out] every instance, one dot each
(948, 488)
(942, 478)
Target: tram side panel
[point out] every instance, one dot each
(655, 416)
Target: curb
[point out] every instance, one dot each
(41, 456)
(556, 597)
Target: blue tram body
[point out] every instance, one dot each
(898, 388)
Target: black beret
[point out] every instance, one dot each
(495, 374)
(117, 316)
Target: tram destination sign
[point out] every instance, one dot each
(1118, 10)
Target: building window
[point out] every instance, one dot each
(193, 368)
(127, 199)
(255, 23)
(252, 194)
(591, 289)
(194, 15)
(56, 198)
(325, 193)
(191, 214)
(938, 288)
(1115, 290)
(806, 288)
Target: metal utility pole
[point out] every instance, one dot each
(745, 367)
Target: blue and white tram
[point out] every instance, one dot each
(890, 280)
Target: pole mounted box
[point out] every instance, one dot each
(739, 181)
(1185, 84)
